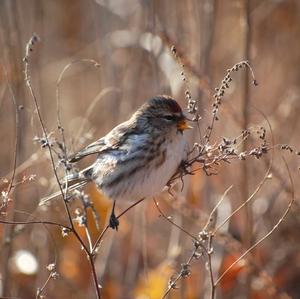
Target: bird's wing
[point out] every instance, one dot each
(111, 141)
(93, 148)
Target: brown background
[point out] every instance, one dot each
(131, 40)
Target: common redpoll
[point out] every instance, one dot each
(138, 157)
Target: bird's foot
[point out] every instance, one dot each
(113, 220)
(184, 168)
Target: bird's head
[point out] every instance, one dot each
(164, 113)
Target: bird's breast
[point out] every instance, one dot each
(143, 172)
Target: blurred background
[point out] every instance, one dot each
(131, 40)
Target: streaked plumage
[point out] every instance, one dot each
(138, 157)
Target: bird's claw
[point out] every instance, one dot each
(113, 220)
(183, 169)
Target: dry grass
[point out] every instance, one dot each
(229, 228)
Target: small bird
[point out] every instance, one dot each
(137, 158)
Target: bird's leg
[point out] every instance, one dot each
(113, 220)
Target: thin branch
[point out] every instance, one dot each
(92, 107)
(260, 185)
(41, 290)
(13, 98)
(99, 239)
(210, 218)
(33, 40)
(268, 234)
(210, 269)
(172, 222)
(35, 222)
(29, 47)
(184, 272)
(58, 82)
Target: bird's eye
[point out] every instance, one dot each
(168, 117)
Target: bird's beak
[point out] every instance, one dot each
(183, 125)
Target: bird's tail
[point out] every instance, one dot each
(72, 182)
